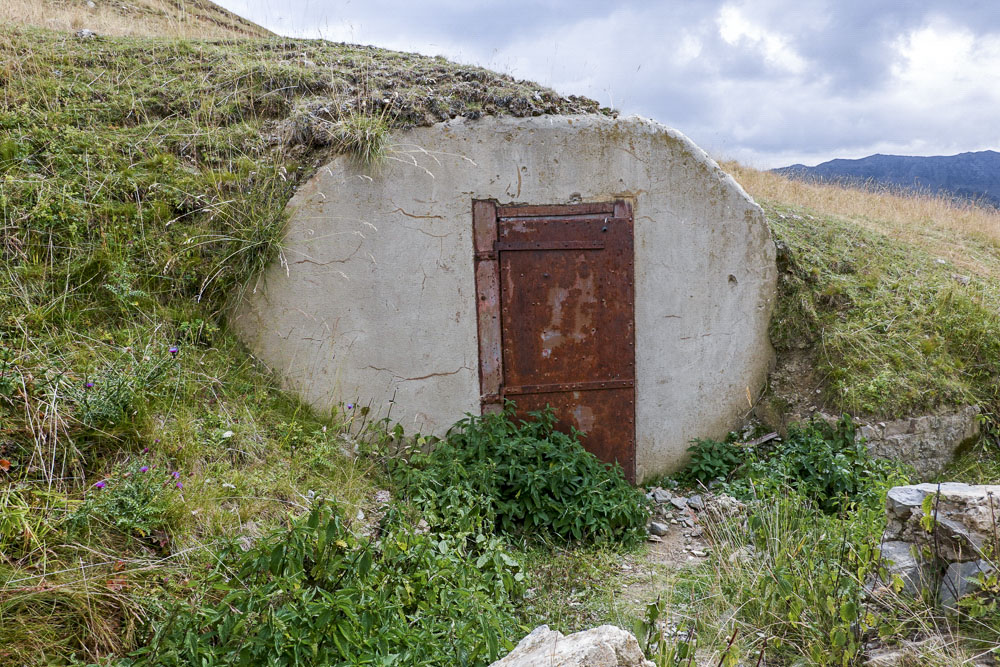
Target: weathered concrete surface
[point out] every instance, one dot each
(378, 299)
(605, 646)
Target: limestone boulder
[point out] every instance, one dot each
(942, 538)
(604, 646)
(966, 518)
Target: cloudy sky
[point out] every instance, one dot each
(768, 82)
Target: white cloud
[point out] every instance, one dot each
(769, 81)
(736, 29)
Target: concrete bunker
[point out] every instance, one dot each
(605, 266)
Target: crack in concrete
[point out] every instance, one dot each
(400, 378)
(426, 233)
(418, 217)
(332, 261)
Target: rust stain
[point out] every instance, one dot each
(566, 312)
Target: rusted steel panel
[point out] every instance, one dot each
(567, 317)
(567, 386)
(484, 225)
(561, 210)
(488, 294)
(550, 245)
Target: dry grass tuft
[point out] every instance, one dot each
(147, 18)
(966, 235)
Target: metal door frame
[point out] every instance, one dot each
(486, 246)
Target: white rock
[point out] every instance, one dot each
(605, 646)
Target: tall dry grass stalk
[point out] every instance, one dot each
(964, 234)
(189, 19)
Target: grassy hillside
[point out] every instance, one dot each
(200, 19)
(147, 460)
(893, 300)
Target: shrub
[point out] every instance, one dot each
(824, 463)
(318, 594)
(533, 479)
(711, 459)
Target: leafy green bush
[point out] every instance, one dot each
(318, 594)
(711, 459)
(825, 464)
(533, 479)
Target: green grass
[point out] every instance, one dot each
(890, 329)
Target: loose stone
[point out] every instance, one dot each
(657, 528)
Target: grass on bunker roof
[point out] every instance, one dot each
(142, 187)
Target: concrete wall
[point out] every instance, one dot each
(377, 300)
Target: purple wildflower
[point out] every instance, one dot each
(144, 469)
(89, 385)
(173, 350)
(176, 474)
(101, 484)
(145, 450)
(350, 406)
(180, 485)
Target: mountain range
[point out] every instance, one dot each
(969, 176)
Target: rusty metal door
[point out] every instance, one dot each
(556, 317)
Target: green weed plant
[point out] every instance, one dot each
(533, 480)
(320, 593)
